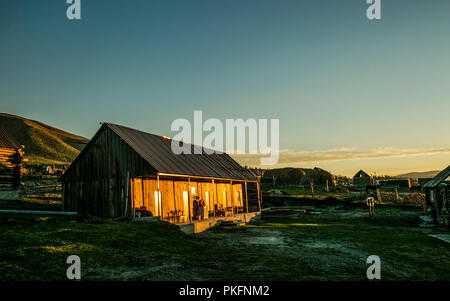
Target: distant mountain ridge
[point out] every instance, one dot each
(420, 174)
(44, 144)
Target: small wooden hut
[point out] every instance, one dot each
(124, 171)
(362, 179)
(11, 158)
(438, 195)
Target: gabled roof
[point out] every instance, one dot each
(361, 173)
(156, 151)
(7, 140)
(441, 177)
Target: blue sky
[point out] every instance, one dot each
(336, 80)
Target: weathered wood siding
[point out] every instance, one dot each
(96, 182)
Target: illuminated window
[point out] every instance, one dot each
(207, 200)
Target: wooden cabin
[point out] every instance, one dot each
(124, 172)
(11, 158)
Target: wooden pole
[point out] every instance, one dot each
(232, 196)
(143, 193)
(379, 195)
(246, 197)
(133, 206)
(259, 201)
(189, 199)
(214, 199)
(126, 199)
(174, 199)
(215, 192)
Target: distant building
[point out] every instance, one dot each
(362, 179)
(11, 158)
(438, 195)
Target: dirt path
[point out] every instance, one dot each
(328, 240)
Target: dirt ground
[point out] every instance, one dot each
(294, 244)
(333, 243)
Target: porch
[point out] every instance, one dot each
(205, 224)
(198, 226)
(180, 200)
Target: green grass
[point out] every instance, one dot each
(31, 203)
(284, 245)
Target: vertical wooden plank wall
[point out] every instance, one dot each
(102, 168)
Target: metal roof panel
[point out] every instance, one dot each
(157, 151)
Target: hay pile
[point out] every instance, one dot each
(414, 198)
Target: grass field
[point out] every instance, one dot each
(282, 245)
(32, 203)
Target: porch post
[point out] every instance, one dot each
(232, 196)
(189, 199)
(259, 201)
(215, 194)
(132, 200)
(246, 197)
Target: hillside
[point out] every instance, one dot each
(43, 144)
(417, 175)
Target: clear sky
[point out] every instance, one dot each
(350, 93)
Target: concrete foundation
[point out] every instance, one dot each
(202, 225)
